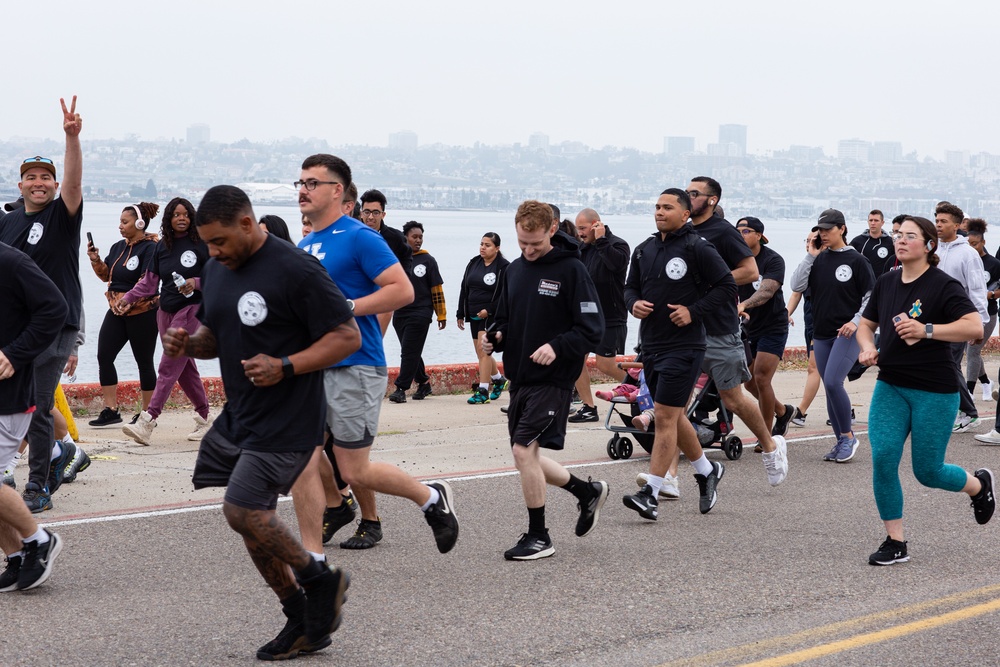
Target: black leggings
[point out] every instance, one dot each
(137, 330)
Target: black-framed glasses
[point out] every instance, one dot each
(365, 213)
(312, 183)
(38, 158)
(694, 194)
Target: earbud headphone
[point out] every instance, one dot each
(930, 246)
(140, 224)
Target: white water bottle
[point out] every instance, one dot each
(179, 283)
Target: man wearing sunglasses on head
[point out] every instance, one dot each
(47, 229)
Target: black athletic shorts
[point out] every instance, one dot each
(538, 412)
(475, 326)
(613, 341)
(670, 376)
(253, 479)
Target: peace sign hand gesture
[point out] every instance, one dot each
(72, 122)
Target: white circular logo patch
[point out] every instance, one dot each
(420, 270)
(490, 278)
(188, 259)
(132, 264)
(843, 273)
(756, 283)
(35, 235)
(986, 276)
(677, 268)
(253, 309)
(882, 252)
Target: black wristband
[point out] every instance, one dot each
(287, 369)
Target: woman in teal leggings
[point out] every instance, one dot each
(919, 310)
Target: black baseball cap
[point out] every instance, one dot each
(754, 224)
(831, 218)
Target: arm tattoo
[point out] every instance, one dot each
(202, 344)
(767, 289)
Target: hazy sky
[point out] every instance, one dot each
(619, 73)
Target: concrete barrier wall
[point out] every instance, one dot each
(445, 379)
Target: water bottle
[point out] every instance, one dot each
(179, 283)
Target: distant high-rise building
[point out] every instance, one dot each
(199, 133)
(854, 149)
(403, 141)
(736, 136)
(539, 140)
(886, 152)
(957, 159)
(805, 153)
(677, 146)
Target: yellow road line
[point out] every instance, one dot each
(840, 627)
(879, 636)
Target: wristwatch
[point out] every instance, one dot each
(287, 369)
(929, 330)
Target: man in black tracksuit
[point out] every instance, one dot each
(548, 318)
(606, 258)
(675, 282)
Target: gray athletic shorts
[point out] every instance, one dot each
(354, 399)
(13, 428)
(725, 361)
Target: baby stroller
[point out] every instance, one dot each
(712, 434)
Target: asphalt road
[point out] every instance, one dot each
(151, 574)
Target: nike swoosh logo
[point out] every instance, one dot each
(338, 231)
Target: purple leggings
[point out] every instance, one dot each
(181, 370)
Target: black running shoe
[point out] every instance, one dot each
(398, 396)
(441, 518)
(644, 503)
(781, 423)
(38, 560)
(530, 547)
(78, 464)
(590, 510)
(707, 485)
(291, 642)
(107, 417)
(57, 466)
(984, 503)
(365, 537)
(8, 578)
(586, 413)
(422, 392)
(325, 596)
(335, 518)
(497, 386)
(889, 552)
(37, 499)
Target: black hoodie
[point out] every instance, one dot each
(607, 261)
(551, 300)
(664, 271)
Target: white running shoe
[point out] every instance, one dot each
(991, 438)
(201, 426)
(142, 430)
(776, 462)
(965, 423)
(988, 391)
(669, 491)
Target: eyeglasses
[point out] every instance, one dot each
(38, 158)
(312, 183)
(910, 236)
(745, 231)
(694, 194)
(374, 213)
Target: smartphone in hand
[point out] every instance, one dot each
(90, 240)
(902, 317)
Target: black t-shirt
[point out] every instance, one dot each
(771, 316)
(398, 245)
(481, 286)
(127, 263)
(991, 271)
(185, 257)
(733, 250)
(51, 237)
(839, 281)
(880, 252)
(933, 298)
(663, 271)
(279, 302)
(423, 276)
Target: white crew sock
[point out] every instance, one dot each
(655, 483)
(484, 385)
(435, 496)
(69, 440)
(56, 450)
(703, 466)
(320, 558)
(496, 376)
(40, 536)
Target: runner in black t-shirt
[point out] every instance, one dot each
(373, 214)
(47, 229)
(875, 244)
(411, 322)
(919, 311)
(767, 328)
(179, 252)
(840, 280)
(275, 320)
(975, 369)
